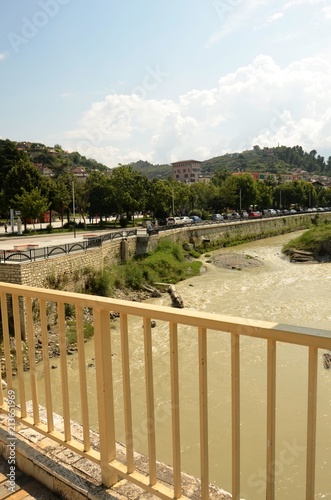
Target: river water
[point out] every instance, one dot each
(276, 291)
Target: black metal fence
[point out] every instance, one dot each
(32, 252)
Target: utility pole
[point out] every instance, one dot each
(240, 200)
(173, 201)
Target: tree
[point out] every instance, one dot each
(62, 195)
(264, 195)
(159, 200)
(229, 192)
(130, 189)
(22, 175)
(100, 195)
(10, 156)
(32, 205)
(246, 191)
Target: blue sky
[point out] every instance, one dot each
(166, 80)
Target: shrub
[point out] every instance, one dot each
(99, 283)
(123, 222)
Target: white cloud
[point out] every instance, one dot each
(275, 17)
(3, 55)
(295, 3)
(260, 103)
(232, 15)
(326, 11)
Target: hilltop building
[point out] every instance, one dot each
(186, 171)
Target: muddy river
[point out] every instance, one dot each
(277, 291)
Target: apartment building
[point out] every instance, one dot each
(186, 171)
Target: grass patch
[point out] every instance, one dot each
(168, 263)
(71, 333)
(310, 240)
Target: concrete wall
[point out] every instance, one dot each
(69, 267)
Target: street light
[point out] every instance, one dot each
(73, 207)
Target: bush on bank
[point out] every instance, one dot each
(168, 263)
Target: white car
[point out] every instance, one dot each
(173, 220)
(185, 220)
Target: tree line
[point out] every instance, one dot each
(126, 191)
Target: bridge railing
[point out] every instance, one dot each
(35, 304)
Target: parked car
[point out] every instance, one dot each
(185, 219)
(173, 220)
(234, 215)
(244, 214)
(255, 215)
(217, 217)
(162, 222)
(195, 218)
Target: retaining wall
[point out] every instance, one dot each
(69, 268)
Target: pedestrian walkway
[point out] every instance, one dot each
(25, 486)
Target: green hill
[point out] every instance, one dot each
(281, 159)
(153, 171)
(56, 158)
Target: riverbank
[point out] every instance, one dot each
(313, 245)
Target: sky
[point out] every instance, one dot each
(166, 80)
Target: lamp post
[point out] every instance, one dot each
(173, 201)
(73, 207)
(240, 200)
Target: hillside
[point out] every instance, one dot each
(56, 159)
(281, 159)
(152, 171)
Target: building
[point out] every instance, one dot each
(261, 176)
(186, 171)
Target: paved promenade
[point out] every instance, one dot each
(7, 241)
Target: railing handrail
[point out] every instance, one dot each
(287, 333)
(101, 307)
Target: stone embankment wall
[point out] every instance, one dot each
(71, 266)
(225, 233)
(67, 268)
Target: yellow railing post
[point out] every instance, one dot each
(271, 419)
(203, 405)
(127, 391)
(150, 400)
(311, 424)
(175, 408)
(235, 390)
(105, 396)
(82, 378)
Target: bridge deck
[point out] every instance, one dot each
(25, 486)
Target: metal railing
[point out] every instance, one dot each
(36, 301)
(32, 253)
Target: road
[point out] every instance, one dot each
(7, 241)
